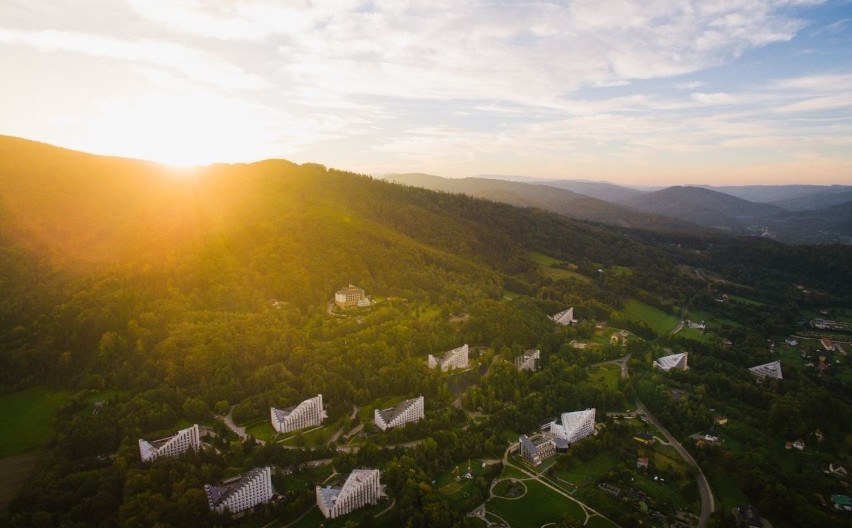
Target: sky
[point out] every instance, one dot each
(652, 92)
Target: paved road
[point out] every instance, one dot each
(708, 505)
(240, 431)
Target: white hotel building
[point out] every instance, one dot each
(362, 487)
(309, 413)
(184, 440)
(575, 426)
(564, 318)
(675, 361)
(406, 412)
(242, 492)
(456, 358)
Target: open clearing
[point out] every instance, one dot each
(26, 419)
(658, 320)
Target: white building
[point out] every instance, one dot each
(675, 361)
(362, 487)
(768, 370)
(350, 296)
(406, 412)
(575, 426)
(565, 317)
(529, 360)
(178, 444)
(309, 413)
(242, 492)
(456, 358)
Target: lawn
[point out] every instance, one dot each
(559, 273)
(605, 376)
(539, 506)
(587, 472)
(261, 429)
(658, 320)
(542, 259)
(745, 300)
(26, 419)
(712, 320)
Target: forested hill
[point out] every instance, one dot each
(149, 297)
(98, 251)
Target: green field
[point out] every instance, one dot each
(587, 472)
(544, 260)
(261, 429)
(26, 419)
(539, 506)
(745, 300)
(712, 320)
(658, 320)
(605, 376)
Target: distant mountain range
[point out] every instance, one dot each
(791, 213)
(549, 197)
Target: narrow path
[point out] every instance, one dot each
(339, 432)
(389, 508)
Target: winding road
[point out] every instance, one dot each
(708, 505)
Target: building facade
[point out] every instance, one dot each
(406, 412)
(456, 358)
(575, 426)
(350, 296)
(184, 440)
(309, 413)
(529, 360)
(362, 487)
(675, 361)
(537, 448)
(241, 493)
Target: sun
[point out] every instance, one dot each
(180, 130)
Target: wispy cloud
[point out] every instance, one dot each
(183, 60)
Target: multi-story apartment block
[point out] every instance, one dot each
(178, 444)
(350, 296)
(675, 361)
(456, 358)
(242, 492)
(362, 487)
(309, 413)
(767, 370)
(406, 412)
(537, 448)
(575, 426)
(529, 360)
(565, 317)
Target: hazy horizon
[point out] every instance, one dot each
(677, 93)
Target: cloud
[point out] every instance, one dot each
(530, 53)
(183, 60)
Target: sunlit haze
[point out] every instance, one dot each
(645, 93)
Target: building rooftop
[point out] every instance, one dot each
(771, 370)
